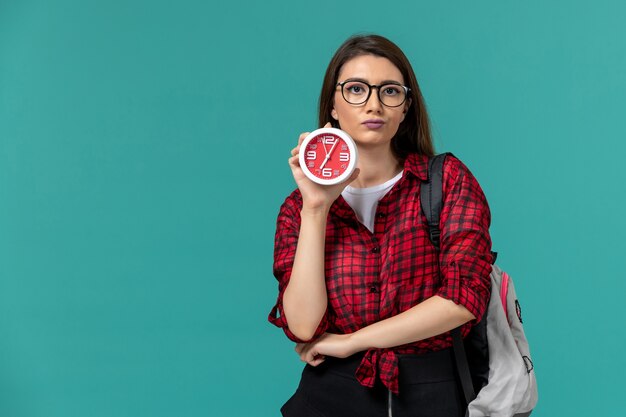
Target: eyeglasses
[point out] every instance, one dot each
(358, 92)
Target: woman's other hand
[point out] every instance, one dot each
(329, 344)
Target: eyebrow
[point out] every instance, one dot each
(367, 82)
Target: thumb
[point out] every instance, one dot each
(351, 178)
(328, 125)
(317, 360)
(354, 175)
(314, 358)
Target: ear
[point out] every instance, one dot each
(406, 108)
(333, 113)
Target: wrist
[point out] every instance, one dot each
(356, 342)
(315, 210)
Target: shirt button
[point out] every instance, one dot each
(374, 288)
(375, 249)
(380, 215)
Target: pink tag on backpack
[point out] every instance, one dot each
(504, 289)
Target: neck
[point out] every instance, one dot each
(377, 166)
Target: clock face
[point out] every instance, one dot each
(328, 156)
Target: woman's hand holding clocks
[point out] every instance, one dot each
(314, 195)
(322, 165)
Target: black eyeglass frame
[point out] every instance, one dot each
(407, 90)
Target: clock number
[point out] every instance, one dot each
(330, 140)
(327, 172)
(310, 164)
(344, 147)
(311, 155)
(344, 156)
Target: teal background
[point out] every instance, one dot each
(143, 158)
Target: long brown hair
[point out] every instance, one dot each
(413, 135)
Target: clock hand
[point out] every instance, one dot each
(328, 154)
(324, 145)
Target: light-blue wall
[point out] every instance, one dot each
(143, 158)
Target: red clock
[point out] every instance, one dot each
(328, 156)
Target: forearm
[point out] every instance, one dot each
(305, 299)
(432, 317)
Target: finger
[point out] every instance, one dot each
(328, 125)
(313, 357)
(304, 350)
(353, 176)
(295, 150)
(310, 355)
(299, 347)
(294, 161)
(302, 136)
(317, 360)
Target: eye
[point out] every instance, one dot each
(391, 90)
(356, 88)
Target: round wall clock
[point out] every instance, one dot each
(328, 156)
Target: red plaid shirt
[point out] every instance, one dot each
(373, 276)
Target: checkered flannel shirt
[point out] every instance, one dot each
(373, 276)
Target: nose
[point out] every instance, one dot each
(373, 102)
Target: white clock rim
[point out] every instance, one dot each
(351, 165)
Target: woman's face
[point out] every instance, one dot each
(372, 123)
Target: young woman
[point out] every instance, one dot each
(362, 291)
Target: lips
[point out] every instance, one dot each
(373, 123)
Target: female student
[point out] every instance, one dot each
(362, 290)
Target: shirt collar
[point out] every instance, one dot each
(342, 209)
(417, 165)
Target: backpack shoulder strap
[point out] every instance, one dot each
(431, 196)
(431, 200)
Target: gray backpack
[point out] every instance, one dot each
(494, 359)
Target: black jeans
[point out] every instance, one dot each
(429, 387)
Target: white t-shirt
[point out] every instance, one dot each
(364, 201)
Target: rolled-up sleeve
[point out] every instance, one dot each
(465, 256)
(285, 243)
